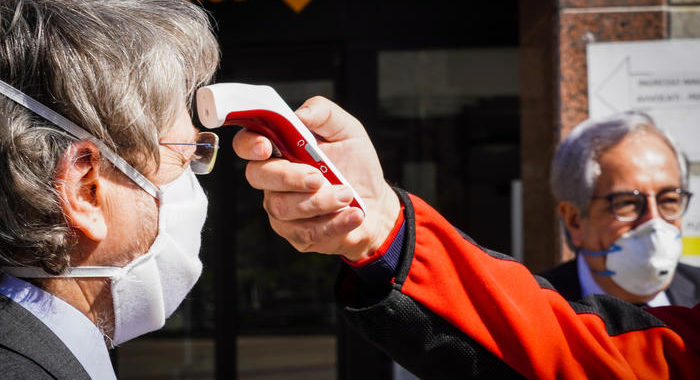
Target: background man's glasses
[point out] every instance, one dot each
(204, 157)
(630, 206)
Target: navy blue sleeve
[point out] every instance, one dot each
(381, 271)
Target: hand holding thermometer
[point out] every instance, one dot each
(262, 110)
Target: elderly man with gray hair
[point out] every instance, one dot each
(622, 187)
(100, 211)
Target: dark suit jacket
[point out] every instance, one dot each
(684, 289)
(29, 350)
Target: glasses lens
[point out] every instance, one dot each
(627, 207)
(205, 155)
(672, 203)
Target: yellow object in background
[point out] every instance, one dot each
(691, 245)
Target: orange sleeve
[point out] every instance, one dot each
(496, 303)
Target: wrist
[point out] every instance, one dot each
(382, 224)
(388, 220)
(391, 243)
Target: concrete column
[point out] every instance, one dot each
(684, 19)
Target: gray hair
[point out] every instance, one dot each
(121, 69)
(575, 168)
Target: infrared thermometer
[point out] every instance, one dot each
(262, 110)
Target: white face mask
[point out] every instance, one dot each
(148, 290)
(643, 260)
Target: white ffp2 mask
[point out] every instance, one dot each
(148, 290)
(151, 287)
(643, 261)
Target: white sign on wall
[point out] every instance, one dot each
(661, 78)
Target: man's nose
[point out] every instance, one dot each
(651, 210)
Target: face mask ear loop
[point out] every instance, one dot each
(605, 273)
(613, 249)
(73, 129)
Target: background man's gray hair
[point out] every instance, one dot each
(120, 69)
(575, 168)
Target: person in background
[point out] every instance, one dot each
(439, 304)
(100, 212)
(622, 188)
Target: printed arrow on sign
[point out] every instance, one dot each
(613, 91)
(625, 89)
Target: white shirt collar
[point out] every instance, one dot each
(75, 330)
(589, 286)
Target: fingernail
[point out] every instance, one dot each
(344, 194)
(355, 217)
(303, 112)
(313, 181)
(259, 149)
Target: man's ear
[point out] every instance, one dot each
(80, 189)
(571, 216)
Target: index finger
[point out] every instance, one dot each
(281, 175)
(252, 146)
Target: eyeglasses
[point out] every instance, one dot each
(204, 157)
(630, 206)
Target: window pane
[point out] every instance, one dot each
(449, 132)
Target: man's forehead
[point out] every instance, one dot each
(640, 149)
(640, 161)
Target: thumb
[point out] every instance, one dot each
(328, 121)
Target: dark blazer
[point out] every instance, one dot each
(684, 289)
(30, 350)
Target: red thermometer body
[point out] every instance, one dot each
(261, 109)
